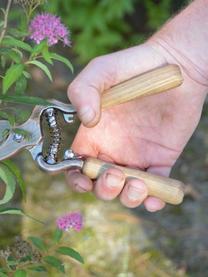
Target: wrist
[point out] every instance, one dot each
(183, 40)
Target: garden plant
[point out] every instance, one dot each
(33, 34)
(22, 46)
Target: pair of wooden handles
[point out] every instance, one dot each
(152, 82)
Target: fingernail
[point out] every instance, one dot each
(135, 193)
(113, 181)
(87, 114)
(78, 188)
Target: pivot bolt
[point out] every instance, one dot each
(18, 137)
(69, 154)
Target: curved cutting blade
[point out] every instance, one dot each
(10, 146)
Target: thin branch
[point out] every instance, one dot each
(5, 20)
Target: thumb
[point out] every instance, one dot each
(106, 71)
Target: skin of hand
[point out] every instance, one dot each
(149, 133)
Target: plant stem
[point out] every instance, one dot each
(5, 20)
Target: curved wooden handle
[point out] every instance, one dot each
(169, 190)
(155, 81)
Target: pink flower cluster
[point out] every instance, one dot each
(48, 26)
(70, 221)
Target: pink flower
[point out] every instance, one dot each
(70, 221)
(48, 26)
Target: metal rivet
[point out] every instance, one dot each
(18, 137)
(69, 154)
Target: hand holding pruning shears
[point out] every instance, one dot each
(150, 83)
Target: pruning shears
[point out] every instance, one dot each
(152, 82)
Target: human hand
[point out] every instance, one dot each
(148, 133)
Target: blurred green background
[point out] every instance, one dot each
(117, 242)
(99, 27)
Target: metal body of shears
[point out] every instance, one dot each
(34, 139)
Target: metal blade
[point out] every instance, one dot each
(16, 142)
(11, 145)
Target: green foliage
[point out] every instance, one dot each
(39, 243)
(27, 100)
(20, 273)
(100, 27)
(7, 116)
(37, 255)
(17, 56)
(12, 75)
(57, 235)
(9, 180)
(11, 211)
(12, 42)
(55, 262)
(43, 67)
(62, 59)
(96, 26)
(17, 173)
(67, 251)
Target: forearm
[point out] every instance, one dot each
(185, 37)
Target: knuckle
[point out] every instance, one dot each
(97, 61)
(73, 89)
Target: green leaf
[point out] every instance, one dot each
(43, 67)
(16, 171)
(39, 268)
(71, 253)
(14, 56)
(24, 259)
(21, 85)
(25, 100)
(27, 74)
(8, 116)
(20, 273)
(39, 48)
(3, 50)
(63, 60)
(22, 116)
(17, 33)
(13, 53)
(12, 75)
(38, 242)
(11, 261)
(11, 211)
(55, 262)
(13, 42)
(47, 55)
(14, 211)
(3, 62)
(57, 235)
(9, 179)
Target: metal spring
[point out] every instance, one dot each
(55, 131)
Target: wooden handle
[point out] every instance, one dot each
(152, 82)
(169, 190)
